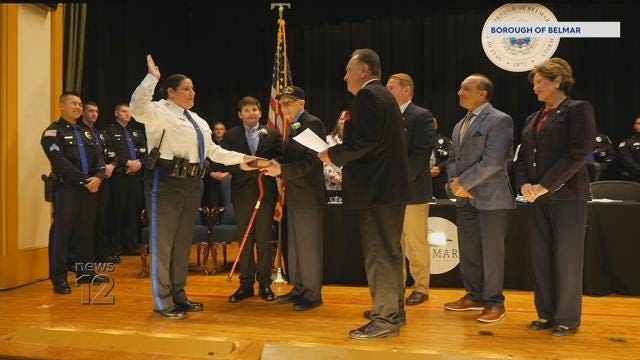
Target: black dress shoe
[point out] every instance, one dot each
(62, 288)
(173, 313)
(289, 298)
(91, 278)
(304, 304)
(563, 330)
(190, 306)
(241, 294)
(540, 324)
(266, 293)
(373, 331)
(403, 316)
(416, 298)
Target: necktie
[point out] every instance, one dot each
(132, 148)
(252, 139)
(84, 162)
(200, 138)
(465, 125)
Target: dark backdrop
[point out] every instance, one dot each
(228, 50)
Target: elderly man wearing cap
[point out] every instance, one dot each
(301, 169)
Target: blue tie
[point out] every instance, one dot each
(132, 148)
(83, 153)
(252, 139)
(200, 138)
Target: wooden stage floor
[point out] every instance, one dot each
(36, 323)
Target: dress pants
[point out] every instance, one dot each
(74, 213)
(304, 250)
(481, 235)
(557, 254)
(125, 211)
(415, 246)
(101, 246)
(381, 229)
(173, 207)
(260, 237)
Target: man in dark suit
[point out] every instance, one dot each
(420, 135)
(376, 185)
(253, 138)
(477, 169)
(302, 173)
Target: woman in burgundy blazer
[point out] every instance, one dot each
(552, 175)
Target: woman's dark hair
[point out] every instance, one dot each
(172, 82)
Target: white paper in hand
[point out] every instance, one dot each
(310, 140)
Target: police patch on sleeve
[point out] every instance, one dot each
(54, 147)
(51, 132)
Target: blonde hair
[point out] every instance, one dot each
(404, 80)
(553, 68)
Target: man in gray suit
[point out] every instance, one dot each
(477, 170)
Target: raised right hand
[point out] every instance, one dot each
(152, 68)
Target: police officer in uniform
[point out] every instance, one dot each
(438, 164)
(102, 247)
(79, 170)
(602, 158)
(173, 183)
(126, 193)
(629, 152)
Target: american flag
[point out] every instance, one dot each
(281, 78)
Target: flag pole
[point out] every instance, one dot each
(278, 276)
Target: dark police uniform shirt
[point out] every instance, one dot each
(630, 156)
(441, 152)
(105, 145)
(116, 133)
(61, 147)
(603, 151)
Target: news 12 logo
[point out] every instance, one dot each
(95, 274)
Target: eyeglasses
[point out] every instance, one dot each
(287, 103)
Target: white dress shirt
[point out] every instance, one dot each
(180, 138)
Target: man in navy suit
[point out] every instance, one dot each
(420, 136)
(375, 183)
(482, 144)
(256, 139)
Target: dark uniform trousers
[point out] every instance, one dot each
(481, 235)
(558, 227)
(263, 224)
(125, 205)
(173, 205)
(102, 237)
(305, 239)
(74, 215)
(381, 228)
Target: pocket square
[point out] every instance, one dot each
(477, 133)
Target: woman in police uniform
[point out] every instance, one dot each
(173, 187)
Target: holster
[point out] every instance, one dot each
(49, 186)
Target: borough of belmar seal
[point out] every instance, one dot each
(519, 54)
